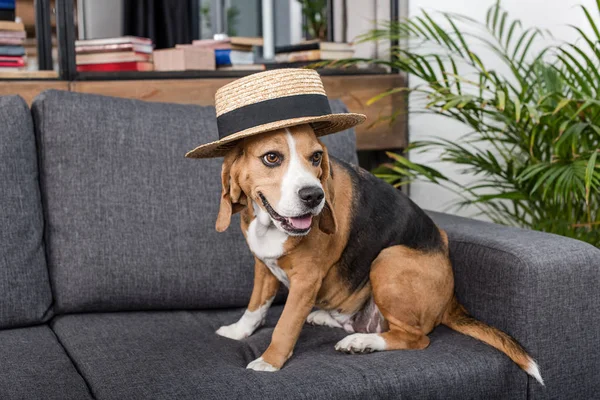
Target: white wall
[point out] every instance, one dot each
(550, 14)
(102, 18)
(362, 17)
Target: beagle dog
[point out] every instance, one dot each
(344, 242)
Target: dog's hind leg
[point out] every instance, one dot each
(411, 289)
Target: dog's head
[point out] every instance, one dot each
(285, 174)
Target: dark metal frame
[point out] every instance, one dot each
(195, 23)
(394, 16)
(330, 22)
(43, 30)
(65, 32)
(133, 75)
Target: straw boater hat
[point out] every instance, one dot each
(272, 100)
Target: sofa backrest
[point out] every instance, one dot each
(25, 295)
(129, 220)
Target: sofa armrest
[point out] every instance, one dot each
(542, 289)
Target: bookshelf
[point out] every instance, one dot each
(354, 87)
(58, 32)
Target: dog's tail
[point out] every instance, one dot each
(458, 319)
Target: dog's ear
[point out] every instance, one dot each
(233, 200)
(325, 166)
(327, 221)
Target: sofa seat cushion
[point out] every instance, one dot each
(35, 366)
(25, 295)
(177, 355)
(130, 222)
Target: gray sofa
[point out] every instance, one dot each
(113, 279)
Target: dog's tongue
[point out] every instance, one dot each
(301, 222)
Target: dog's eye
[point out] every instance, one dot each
(316, 158)
(271, 159)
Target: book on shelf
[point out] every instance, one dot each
(183, 58)
(237, 42)
(8, 4)
(124, 56)
(8, 41)
(11, 26)
(313, 55)
(112, 48)
(14, 50)
(237, 57)
(309, 64)
(7, 10)
(124, 53)
(233, 57)
(212, 44)
(246, 41)
(116, 67)
(11, 61)
(314, 45)
(247, 67)
(241, 47)
(7, 14)
(114, 40)
(12, 35)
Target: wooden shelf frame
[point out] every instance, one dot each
(353, 90)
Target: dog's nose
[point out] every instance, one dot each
(311, 195)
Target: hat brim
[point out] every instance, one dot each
(322, 125)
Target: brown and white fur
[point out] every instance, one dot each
(361, 252)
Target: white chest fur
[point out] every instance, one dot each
(266, 243)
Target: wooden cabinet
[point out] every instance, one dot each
(354, 90)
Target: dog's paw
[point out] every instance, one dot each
(322, 318)
(361, 343)
(236, 331)
(261, 365)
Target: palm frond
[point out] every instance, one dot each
(534, 132)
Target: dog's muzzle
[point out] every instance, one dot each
(299, 225)
(311, 196)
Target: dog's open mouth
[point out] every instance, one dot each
(297, 225)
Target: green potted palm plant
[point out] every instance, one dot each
(534, 131)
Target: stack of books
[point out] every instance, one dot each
(210, 54)
(12, 52)
(125, 53)
(235, 53)
(240, 55)
(313, 51)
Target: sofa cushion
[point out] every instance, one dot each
(130, 221)
(35, 366)
(25, 295)
(168, 355)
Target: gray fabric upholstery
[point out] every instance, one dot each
(34, 366)
(25, 295)
(130, 221)
(543, 289)
(177, 355)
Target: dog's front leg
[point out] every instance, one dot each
(264, 290)
(300, 301)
